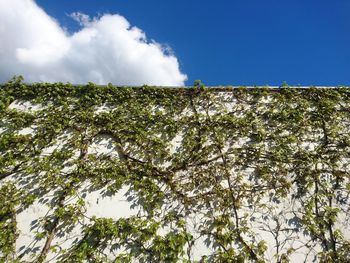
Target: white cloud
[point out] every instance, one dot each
(82, 19)
(105, 49)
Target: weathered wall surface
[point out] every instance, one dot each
(173, 175)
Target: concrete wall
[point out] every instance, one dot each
(276, 222)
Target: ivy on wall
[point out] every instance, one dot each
(246, 163)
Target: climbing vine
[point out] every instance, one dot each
(214, 174)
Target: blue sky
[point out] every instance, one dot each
(246, 42)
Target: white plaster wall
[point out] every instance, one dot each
(118, 206)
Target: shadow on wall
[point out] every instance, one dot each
(167, 175)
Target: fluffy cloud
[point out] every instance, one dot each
(105, 49)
